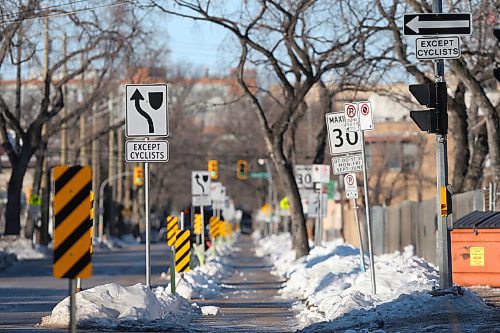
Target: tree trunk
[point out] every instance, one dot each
(287, 178)
(13, 209)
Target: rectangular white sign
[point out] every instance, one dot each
(201, 200)
(438, 48)
(351, 114)
(146, 110)
(321, 173)
(351, 186)
(303, 176)
(365, 116)
(200, 183)
(146, 151)
(312, 209)
(345, 164)
(341, 142)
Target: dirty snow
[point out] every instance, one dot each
(334, 288)
(210, 310)
(22, 248)
(112, 305)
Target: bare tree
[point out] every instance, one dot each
(296, 43)
(101, 41)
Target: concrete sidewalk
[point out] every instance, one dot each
(249, 301)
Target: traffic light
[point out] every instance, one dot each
(213, 168)
(496, 71)
(138, 176)
(241, 169)
(434, 96)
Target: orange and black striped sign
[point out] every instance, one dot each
(172, 228)
(197, 224)
(214, 225)
(72, 258)
(91, 219)
(182, 251)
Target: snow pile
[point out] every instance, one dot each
(334, 288)
(202, 282)
(111, 242)
(22, 248)
(210, 310)
(112, 306)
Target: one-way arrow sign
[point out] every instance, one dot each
(437, 24)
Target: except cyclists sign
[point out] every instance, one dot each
(438, 48)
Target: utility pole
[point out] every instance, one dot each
(95, 158)
(83, 148)
(64, 134)
(119, 185)
(444, 222)
(44, 237)
(111, 159)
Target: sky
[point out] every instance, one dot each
(202, 44)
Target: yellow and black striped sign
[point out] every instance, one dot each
(172, 228)
(182, 251)
(214, 225)
(223, 228)
(197, 224)
(72, 224)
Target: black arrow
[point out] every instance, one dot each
(197, 177)
(138, 97)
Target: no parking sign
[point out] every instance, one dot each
(351, 186)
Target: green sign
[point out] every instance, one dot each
(330, 189)
(258, 175)
(35, 200)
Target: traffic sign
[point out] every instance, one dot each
(312, 208)
(303, 176)
(438, 48)
(182, 251)
(437, 24)
(146, 110)
(341, 141)
(172, 228)
(146, 151)
(365, 116)
(71, 206)
(200, 183)
(345, 164)
(201, 200)
(351, 186)
(321, 173)
(351, 117)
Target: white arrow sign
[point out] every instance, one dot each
(416, 24)
(200, 183)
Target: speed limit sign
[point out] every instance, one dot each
(303, 176)
(341, 141)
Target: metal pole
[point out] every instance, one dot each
(148, 226)
(317, 222)
(444, 248)
(72, 305)
(360, 239)
(182, 220)
(367, 209)
(101, 200)
(172, 270)
(202, 231)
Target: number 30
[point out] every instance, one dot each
(339, 136)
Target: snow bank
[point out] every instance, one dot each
(202, 282)
(210, 310)
(335, 289)
(112, 305)
(22, 248)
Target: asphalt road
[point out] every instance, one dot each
(28, 290)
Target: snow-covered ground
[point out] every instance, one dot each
(12, 248)
(113, 306)
(334, 288)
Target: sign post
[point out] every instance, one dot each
(351, 191)
(146, 115)
(320, 176)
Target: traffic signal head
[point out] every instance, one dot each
(434, 96)
(213, 169)
(138, 176)
(241, 169)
